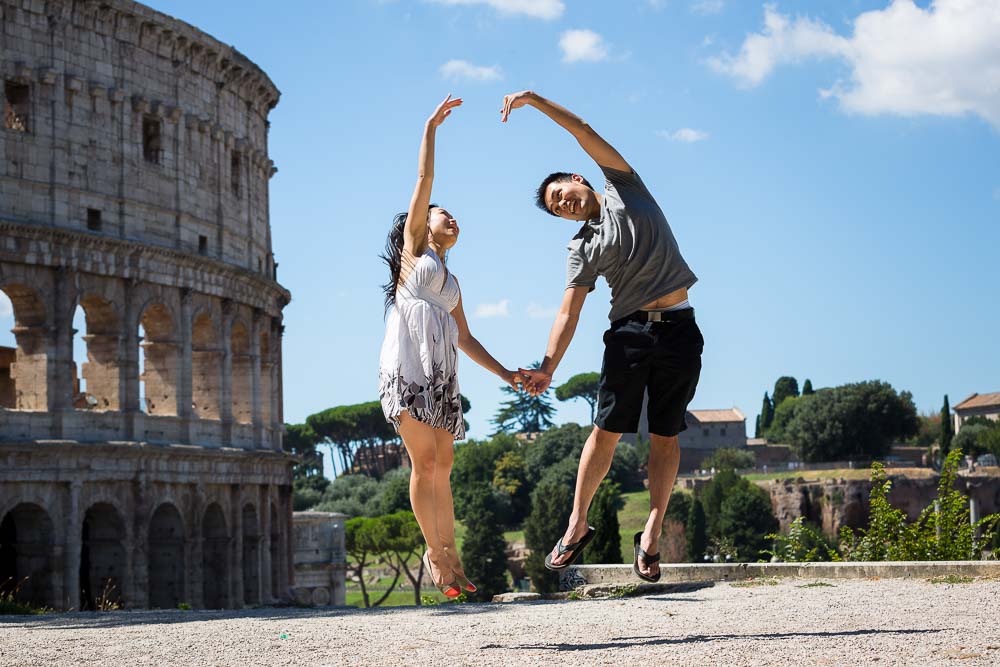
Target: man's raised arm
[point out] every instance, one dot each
(603, 153)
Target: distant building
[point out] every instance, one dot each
(709, 430)
(977, 405)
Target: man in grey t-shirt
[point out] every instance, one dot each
(653, 346)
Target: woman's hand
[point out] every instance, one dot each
(443, 110)
(513, 378)
(514, 101)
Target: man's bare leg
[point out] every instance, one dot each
(595, 462)
(664, 458)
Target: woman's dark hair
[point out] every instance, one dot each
(554, 177)
(393, 255)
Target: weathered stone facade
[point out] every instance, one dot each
(134, 177)
(320, 558)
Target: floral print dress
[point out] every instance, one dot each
(419, 360)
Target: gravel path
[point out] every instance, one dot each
(884, 622)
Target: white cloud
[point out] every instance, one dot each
(6, 309)
(656, 5)
(582, 45)
(499, 309)
(466, 71)
(539, 9)
(685, 134)
(538, 312)
(904, 59)
(706, 7)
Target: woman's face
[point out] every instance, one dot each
(442, 228)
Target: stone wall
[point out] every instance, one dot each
(320, 558)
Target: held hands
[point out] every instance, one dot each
(537, 380)
(514, 101)
(513, 378)
(443, 110)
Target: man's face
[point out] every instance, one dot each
(572, 200)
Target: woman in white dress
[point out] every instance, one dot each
(418, 384)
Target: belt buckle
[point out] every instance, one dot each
(654, 316)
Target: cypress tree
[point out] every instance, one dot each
(695, 532)
(807, 388)
(766, 414)
(551, 504)
(607, 546)
(756, 429)
(484, 549)
(785, 386)
(947, 432)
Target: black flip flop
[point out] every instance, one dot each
(575, 547)
(649, 559)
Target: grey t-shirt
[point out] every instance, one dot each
(631, 245)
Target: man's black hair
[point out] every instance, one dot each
(554, 177)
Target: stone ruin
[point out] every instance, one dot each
(134, 176)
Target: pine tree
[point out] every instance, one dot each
(484, 549)
(525, 413)
(785, 386)
(947, 432)
(551, 503)
(766, 414)
(696, 532)
(606, 547)
(807, 388)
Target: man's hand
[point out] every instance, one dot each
(537, 380)
(514, 101)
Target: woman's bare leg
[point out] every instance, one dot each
(421, 444)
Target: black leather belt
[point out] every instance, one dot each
(665, 316)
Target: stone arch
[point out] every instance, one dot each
(167, 561)
(102, 368)
(26, 555)
(102, 556)
(206, 367)
(215, 550)
(275, 548)
(161, 353)
(24, 370)
(242, 384)
(251, 555)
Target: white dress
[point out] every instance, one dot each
(419, 360)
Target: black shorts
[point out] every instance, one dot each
(661, 358)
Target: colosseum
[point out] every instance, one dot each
(149, 471)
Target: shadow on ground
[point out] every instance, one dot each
(630, 642)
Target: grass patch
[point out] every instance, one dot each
(512, 536)
(631, 519)
(9, 606)
(950, 579)
(751, 583)
(816, 584)
(353, 598)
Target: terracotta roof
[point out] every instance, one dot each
(730, 415)
(980, 401)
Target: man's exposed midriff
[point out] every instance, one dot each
(667, 300)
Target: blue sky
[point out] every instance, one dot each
(831, 171)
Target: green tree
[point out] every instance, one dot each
(606, 546)
(364, 545)
(679, 505)
(746, 518)
(583, 385)
(807, 388)
(947, 430)
(360, 435)
(696, 532)
(397, 537)
(766, 413)
(353, 495)
(510, 477)
(524, 413)
(734, 459)
(551, 504)
(783, 415)
(393, 494)
(484, 549)
(784, 387)
(554, 445)
(852, 421)
(475, 463)
(714, 494)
